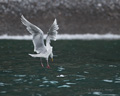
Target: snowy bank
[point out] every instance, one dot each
(67, 37)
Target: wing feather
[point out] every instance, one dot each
(37, 33)
(52, 33)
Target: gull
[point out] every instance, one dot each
(42, 50)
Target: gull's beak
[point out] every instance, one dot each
(52, 59)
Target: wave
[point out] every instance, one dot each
(67, 37)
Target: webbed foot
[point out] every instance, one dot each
(48, 66)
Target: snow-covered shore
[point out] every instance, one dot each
(67, 37)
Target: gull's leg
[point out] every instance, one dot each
(48, 66)
(41, 62)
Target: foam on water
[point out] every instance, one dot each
(68, 37)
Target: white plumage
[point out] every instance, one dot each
(42, 50)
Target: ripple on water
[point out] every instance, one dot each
(97, 93)
(44, 85)
(51, 82)
(3, 84)
(60, 68)
(45, 82)
(101, 94)
(69, 83)
(7, 71)
(30, 82)
(44, 78)
(20, 75)
(117, 80)
(86, 72)
(107, 80)
(66, 80)
(64, 86)
(20, 80)
(41, 85)
(60, 75)
(112, 66)
(80, 77)
(3, 92)
(37, 79)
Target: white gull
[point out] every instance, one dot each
(42, 50)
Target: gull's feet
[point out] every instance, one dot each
(42, 65)
(48, 66)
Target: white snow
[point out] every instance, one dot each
(68, 37)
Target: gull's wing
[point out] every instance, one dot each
(38, 39)
(51, 35)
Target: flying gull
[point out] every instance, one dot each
(42, 50)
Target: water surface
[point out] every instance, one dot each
(80, 68)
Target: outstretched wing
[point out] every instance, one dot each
(51, 35)
(37, 33)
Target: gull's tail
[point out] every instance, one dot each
(34, 55)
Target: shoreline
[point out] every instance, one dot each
(66, 37)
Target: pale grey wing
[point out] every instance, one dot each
(52, 33)
(38, 39)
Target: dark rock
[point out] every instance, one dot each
(74, 17)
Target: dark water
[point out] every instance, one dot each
(81, 68)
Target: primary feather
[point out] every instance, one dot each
(51, 35)
(37, 33)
